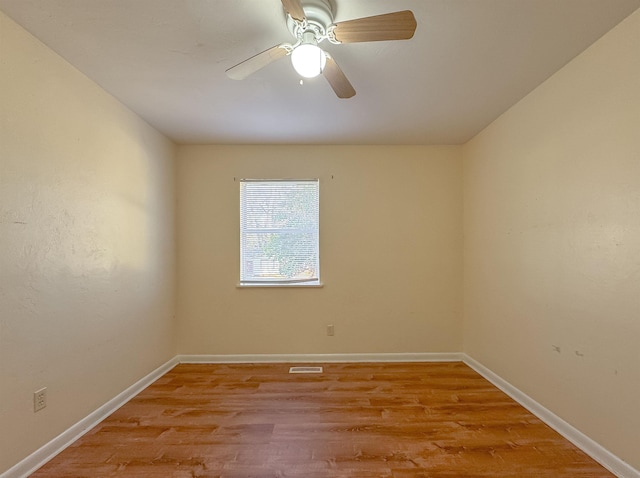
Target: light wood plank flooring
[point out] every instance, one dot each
(355, 420)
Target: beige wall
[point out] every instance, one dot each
(552, 243)
(390, 242)
(86, 245)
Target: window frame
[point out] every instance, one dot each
(280, 283)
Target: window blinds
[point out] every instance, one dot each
(279, 223)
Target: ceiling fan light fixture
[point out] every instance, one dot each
(311, 22)
(308, 59)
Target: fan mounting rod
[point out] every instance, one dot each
(319, 20)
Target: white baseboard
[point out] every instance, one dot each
(322, 358)
(607, 459)
(45, 453)
(603, 456)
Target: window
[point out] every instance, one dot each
(279, 232)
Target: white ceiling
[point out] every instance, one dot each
(468, 62)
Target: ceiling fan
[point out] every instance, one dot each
(310, 22)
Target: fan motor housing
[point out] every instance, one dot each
(319, 14)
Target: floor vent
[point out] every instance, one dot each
(305, 370)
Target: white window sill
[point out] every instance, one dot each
(280, 286)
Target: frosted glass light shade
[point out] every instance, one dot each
(308, 60)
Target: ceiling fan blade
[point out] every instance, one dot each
(294, 9)
(256, 62)
(337, 80)
(390, 26)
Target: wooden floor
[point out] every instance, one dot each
(355, 420)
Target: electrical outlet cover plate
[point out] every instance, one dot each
(39, 399)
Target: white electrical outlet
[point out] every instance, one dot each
(330, 330)
(39, 399)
